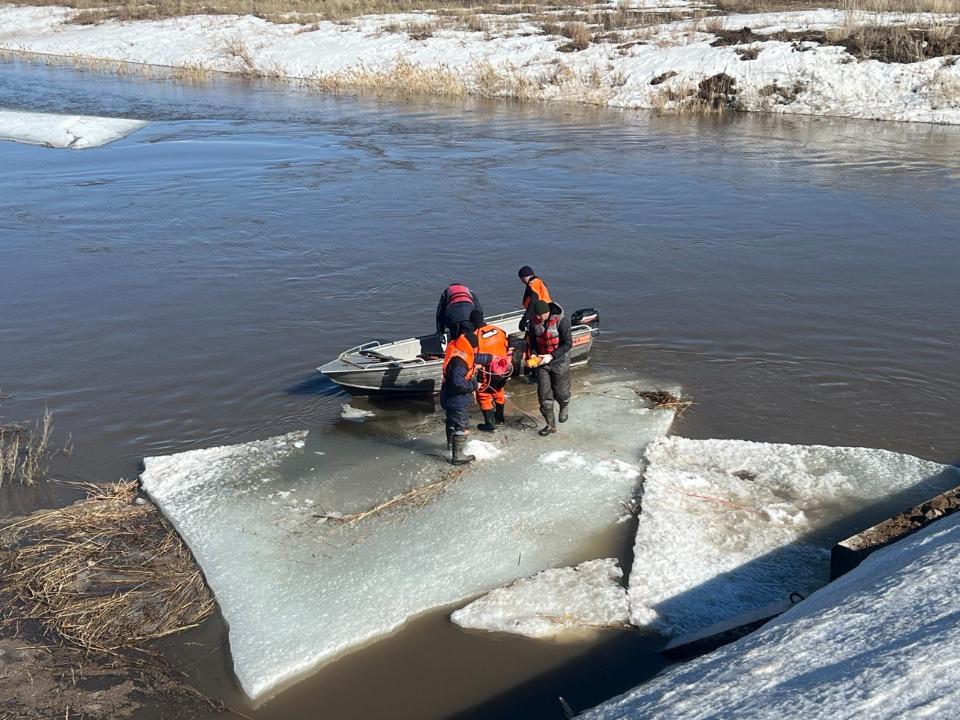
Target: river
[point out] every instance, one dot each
(176, 289)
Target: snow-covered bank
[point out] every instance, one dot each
(64, 131)
(880, 642)
(299, 584)
(659, 66)
(730, 526)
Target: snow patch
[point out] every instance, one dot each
(880, 642)
(64, 131)
(730, 526)
(552, 602)
(482, 450)
(348, 412)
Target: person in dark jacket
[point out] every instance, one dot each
(552, 341)
(534, 289)
(460, 363)
(454, 308)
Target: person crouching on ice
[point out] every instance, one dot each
(491, 395)
(550, 355)
(460, 361)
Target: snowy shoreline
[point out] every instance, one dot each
(672, 66)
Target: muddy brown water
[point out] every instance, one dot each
(174, 290)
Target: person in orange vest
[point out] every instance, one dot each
(460, 361)
(454, 308)
(491, 396)
(552, 341)
(535, 290)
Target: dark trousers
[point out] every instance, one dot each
(553, 384)
(458, 420)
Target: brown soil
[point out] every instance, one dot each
(660, 79)
(890, 44)
(719, 92)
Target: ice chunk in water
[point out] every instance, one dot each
(297, 589)
(553, 601)
(348, 412)
(730, 526)
(880, 643)
(64, 131)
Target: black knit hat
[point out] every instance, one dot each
(526, 271)
(540, 307)
(476, 319)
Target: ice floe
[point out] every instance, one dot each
(880, 642)
(64, 131)
(348, 412)
(552, 602)
(730, 526)
(301, 583)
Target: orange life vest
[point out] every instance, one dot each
(492, 339)
(547, 334)
(460, 348)
(458, 294)
(537, 286)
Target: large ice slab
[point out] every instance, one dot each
(64, 131)
(553, 602)
(297, 590)
(730, 526)
(882, 642)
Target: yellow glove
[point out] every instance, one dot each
(534, 361)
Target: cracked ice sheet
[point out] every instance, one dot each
(297, 592)
(64, 131)
(553, 602)
(730, 526)
(880, 643)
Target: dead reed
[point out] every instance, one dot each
(25, 451)
(104, 575)
(665, 400)
(413, 498)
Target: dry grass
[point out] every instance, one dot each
(25, 452)
(413, 498)
(104, 575)
(666, 400)
(578, 34)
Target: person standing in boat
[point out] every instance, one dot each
(492, 396)
(550, 348)
(454, 308)
(535, 289)
(460, 362)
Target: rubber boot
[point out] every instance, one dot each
(458, 457)
(564, 412)
(551, 426)
(498, 414)
(488, 424)
(449, 437)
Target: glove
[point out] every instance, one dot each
(475, 384)
(545, 359)
(523, 323)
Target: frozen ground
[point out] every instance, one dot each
(300, 579)
(881, 643)
(730, 526)
(64, 131)
(553, 602)
(657, 66)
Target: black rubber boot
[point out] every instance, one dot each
(449, 437)
(550, 427)
(458, 457)
(498, 414)
(564, 412)
(488, 424)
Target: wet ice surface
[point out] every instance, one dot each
(297, 589)
(880, 642)
(64, 131)
(730, 526)
(553, 602)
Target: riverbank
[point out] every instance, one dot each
(669, 56)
